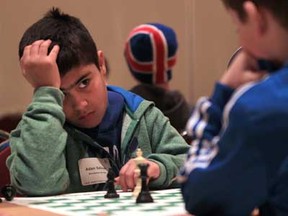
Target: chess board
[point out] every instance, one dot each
(166, 202)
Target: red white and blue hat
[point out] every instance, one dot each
(150, 52)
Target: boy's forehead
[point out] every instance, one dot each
(75, 75)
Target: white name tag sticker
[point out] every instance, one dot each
(93, 170)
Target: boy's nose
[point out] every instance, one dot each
(80, 103)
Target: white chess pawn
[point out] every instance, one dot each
(138, 160)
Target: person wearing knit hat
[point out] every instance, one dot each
(150, 52)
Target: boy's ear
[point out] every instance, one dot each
(256, 16)
(102, 65)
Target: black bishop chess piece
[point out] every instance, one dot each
(111, 192)
(144, 195)
(8, 192)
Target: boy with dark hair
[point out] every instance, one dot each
(77, 127)
(239, 157)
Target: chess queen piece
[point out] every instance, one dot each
(138, 160)
(144, 195)
(111, 192)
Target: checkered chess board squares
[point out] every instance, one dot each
(166, 203)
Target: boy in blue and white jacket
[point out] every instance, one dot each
(238, 160)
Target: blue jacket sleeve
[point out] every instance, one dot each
(214, 168)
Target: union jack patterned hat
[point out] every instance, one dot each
(150, 52)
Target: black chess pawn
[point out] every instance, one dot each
(144, 195)
(8, 192)
(111, 192)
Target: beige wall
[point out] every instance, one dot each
(205, 34)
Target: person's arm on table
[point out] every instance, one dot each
(37, 162)
(168, 153)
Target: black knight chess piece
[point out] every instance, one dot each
(144, 195)
(8, 192)
(111, 192)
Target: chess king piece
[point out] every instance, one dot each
(8, 192)
(138, 160)
(144, 195)
(111, 192)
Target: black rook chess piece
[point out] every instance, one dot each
(111, 192)
(8, 192)
(144, 195)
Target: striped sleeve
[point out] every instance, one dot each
(204, 126)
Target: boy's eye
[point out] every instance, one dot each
(83, 83)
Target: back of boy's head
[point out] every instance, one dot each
(279, 8)
(76, 44)
(150, 52)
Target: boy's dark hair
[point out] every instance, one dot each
(76, 44)
(278, 8)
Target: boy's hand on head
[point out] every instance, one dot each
(127, 178)
(38, 66)
(243, 69)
